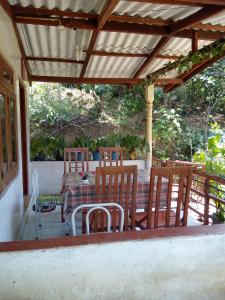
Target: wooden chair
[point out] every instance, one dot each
(115, 185)
(110, 156)
(75, 160)
(173, 210)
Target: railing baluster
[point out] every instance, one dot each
(206, 208)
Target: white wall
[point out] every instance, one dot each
(167, 268)
(11, 202)
(51, 172)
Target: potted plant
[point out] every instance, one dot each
(94, 148)
(81, 142)
(135, 146)
(219, 216)
(39, 148)
(112, 140)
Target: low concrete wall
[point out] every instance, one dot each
(166, 268)
(51, 172)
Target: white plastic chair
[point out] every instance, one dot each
(93, 207)
(35, 201)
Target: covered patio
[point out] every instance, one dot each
(105, 42)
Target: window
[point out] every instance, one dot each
(8, 129)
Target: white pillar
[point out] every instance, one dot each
(149, 98)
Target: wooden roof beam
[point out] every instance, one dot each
(152, 55)
(91, 80)
(87, 80)
(31, 11)
(54, 59)
(118, 27)
(122, 54)
(102, 19)
(42, 12)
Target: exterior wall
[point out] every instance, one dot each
(11, 201)
(160, 268)
(51, 172)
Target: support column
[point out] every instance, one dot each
(149, 98)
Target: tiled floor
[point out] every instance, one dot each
(53, 227)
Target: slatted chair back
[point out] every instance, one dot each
(174, 211)
(110, 156)
(116, 185)
(75, 160)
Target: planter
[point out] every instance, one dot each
(113, 155)
(95, 155)
(79, 156)
(216, 219)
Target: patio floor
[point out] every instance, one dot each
(53, 227)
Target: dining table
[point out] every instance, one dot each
(78, 192)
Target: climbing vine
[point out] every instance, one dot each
(185, 63)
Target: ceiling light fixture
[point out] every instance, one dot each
(60, 26)
(78, 50)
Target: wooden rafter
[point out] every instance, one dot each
(151, 56)
(195, 70)
(122, 54)
(8, 10)
(102, 19)
(79, 80)
(91, 80)
(44, 12)
(200, 15)
(54, 59)
(98, 53)
(194, 42)
(22, 13)
(120, 27)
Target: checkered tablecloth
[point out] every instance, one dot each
(84, 193)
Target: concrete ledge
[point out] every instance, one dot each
(101, 238)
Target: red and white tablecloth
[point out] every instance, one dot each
(84, 193)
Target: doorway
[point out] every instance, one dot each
(23, 121)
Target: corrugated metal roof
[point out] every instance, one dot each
(44, 68)
(217, 19)
(94, 6)
(115, 67)
(124, 42)
(164, 12)
(49, 41)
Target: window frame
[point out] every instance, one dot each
(7, 90)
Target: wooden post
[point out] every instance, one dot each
(149, 98)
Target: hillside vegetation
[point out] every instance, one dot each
(181, 119)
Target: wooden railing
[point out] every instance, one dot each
(207, 191)
(207, 195)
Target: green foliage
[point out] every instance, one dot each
(214, 159)
(184, 63)
(180, 119)
(214, 155)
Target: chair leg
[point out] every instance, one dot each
(36, 223)
(62, 215)
(66, 221)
